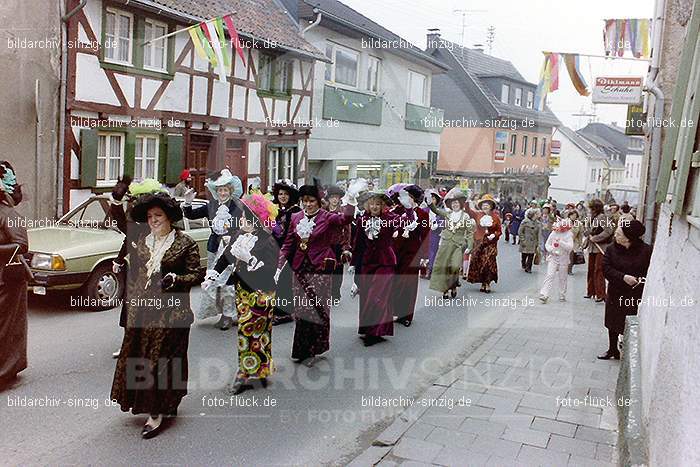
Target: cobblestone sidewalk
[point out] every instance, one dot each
(532, 394)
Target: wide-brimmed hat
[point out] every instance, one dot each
(368, 195)
(393, 190)
(265, 211)
(455, 194)
(334, 190)
(633, 229)
(289, 187)
(8, 183)
(225, 178)
(139, 211)
(487, 198)
(415, 192)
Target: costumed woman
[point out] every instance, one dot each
(529, 233)
(286, 196)
(309, 249)
(559, 245)
(518, 217)
(483, 267)
(456, 240)
(436, 223)
(223, 206)
(374, 264)
(252, 254)
(410, 246)
(13, 279)
(342, 245)
(151, 372)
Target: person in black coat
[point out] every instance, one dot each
(625, 266)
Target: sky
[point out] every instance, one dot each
(524, 28)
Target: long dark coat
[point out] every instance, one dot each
(151, 373)
(622, 299)
(518, 217)
(13, 298)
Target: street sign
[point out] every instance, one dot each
(634, 126)
(617, 90)
(555, 148)
(500, 156)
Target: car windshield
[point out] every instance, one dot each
(90, 215)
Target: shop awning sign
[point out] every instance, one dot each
(609, 90)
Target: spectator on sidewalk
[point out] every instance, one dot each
(529, 233)
(547, 221)
(577, 232)
(559, 245)
(599, 235)
(184, 185)
(518, 216)
(626, 263)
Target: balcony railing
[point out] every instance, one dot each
(423, 118)
(351, 106)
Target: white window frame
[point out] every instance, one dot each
(505, 93)
(115, 37)
(530, 99)
(519, 97)
(141, 141)
(153, 23)
(335, 47)
(593, 175)
(110, 178)
(424, 98)
(274, 156)
(378, 74)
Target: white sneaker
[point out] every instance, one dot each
(562, 298)
(543, 299)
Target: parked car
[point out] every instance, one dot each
(77, 253)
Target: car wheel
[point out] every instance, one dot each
(103, 288)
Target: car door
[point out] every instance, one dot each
(199, 230)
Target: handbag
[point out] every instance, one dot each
(16, 270)
(577, 257)
(538, 257)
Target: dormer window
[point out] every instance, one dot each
(518, 97)
(530, 99)
(505, 93)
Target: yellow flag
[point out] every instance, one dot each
(197, 44)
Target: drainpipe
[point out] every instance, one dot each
(62, 104)
(315, 23)
(655, 152)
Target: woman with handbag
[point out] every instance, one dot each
(13, 279)
(483, 267)
(577, 231)
(151, 373)
(529, 233)
(309, 250)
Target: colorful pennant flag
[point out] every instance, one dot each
(210, 31)
(572, 66)
(235, 41)
(549, 79)
(630, 34)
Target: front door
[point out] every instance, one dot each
(236, 159)
(197, 161)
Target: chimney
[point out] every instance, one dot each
(433, 39)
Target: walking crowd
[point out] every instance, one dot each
(279, 257)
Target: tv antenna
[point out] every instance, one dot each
(464, 13)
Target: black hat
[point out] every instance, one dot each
(287, 186)
(139, 212)
(334, 190)
(310, 190)
(632, 229)
(416, 193)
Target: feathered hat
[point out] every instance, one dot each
(264, 210)
(289, 187)
(225, 178)
(487, 198)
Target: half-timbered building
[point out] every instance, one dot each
(150, 109)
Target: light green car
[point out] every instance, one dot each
(77, 252)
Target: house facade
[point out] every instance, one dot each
(152, 109)
(369, 101)
(579, 175)
(494, 137)
(625, 159)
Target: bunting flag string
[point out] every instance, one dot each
(631, 34)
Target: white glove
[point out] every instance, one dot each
(116, 267)
(356, 187)
(491, 237)
(351, 269)
(211, 275)
(240, 252)
(354, 290)
(189, 196)
(467, 251)
(277, 275)
(207, 283)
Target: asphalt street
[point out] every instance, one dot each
(305, 417)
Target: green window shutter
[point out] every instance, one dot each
(129, 152)
(686, 134)
(88, 157)
(174, 165)
(680, 94)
